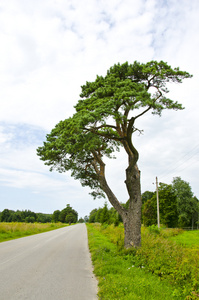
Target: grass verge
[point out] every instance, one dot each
(14, 230)
(189, 239)
(120, 276)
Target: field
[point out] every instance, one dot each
(161, 269)
(14, 230)
(188, 238)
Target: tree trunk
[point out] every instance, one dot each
(132, 220)
(132, 229)
(132, 216)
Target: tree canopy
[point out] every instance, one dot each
(178, 207)
(167, 204)
(105, 120)
(66, 215)
(187, 204)
(28, 216)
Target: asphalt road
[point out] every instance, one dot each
(51, 265)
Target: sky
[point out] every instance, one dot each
(49, 49)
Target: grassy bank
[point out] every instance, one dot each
(14, 230)
(160, 269)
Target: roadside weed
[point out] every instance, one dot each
(121, 274)
(14, 230)
(188, 238)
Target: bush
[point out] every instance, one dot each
(154, 229)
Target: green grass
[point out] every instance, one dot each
(14, 230)
(188, 238)
(120, 275)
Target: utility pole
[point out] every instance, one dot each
(158, 210)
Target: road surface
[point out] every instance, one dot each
(51, 265)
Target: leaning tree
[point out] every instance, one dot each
(105, 120)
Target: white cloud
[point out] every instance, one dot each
(50, 48)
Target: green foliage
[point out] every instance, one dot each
(79, 143)
(188, 238)
(149, 212)
(147, 195)
(81, 220)
(66, 215)
(118, 276)
(167, 207)
(92, 216)
(168, 203)
(70, 218)
(24, 216)
(43, 218)
(187, 205)
(154, 229)
(6, 215)
(178, 207)
(55, 216)
(160, 256)
(104, 215)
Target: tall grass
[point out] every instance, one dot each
(9, 231)
(170, 261)
(167, 262)
(188, 238)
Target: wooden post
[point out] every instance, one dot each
(158, 210)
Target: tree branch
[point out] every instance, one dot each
(150, 106)
(104, 185)
(108, 136)
(129, 141)
(145, 111)
(102, 126)
(149, 81)
(112, 198)
(100, 162)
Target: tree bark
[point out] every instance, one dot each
(132, 216)
(132, 220)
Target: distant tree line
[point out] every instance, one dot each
(67, 215)
(177, 204)
(105, 215)
(27, 216)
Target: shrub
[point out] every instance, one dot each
(154, 229)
